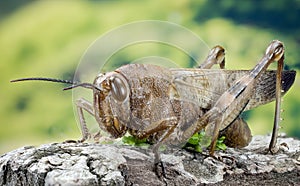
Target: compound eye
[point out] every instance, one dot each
(118, 89)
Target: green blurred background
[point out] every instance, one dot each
(48, 38)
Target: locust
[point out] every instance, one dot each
(169, 105)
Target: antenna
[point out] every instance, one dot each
(73, 84)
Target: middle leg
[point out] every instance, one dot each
(238, 133)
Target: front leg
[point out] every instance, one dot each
(81, 105)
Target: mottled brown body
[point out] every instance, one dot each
(168, 106)
(161, 98)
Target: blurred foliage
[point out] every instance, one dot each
(281, 15)
(48, 38)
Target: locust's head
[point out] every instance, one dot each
(112, 103)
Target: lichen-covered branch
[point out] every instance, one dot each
(96, 164)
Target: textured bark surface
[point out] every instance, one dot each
(96, 164)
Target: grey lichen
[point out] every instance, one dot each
(96, 164)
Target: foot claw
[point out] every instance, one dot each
(159, 169)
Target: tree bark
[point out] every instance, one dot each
(98, 164)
